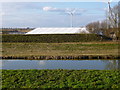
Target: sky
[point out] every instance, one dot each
(51, 14)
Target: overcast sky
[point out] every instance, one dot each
(51, 14)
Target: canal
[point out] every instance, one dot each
(60, 64)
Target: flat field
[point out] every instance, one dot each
(55, 49)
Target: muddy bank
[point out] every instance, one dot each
(80, 57)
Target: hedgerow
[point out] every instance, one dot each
(54, 38)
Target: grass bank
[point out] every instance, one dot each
(60, 49)
(61, 79)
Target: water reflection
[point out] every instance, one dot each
(42, 62)
(112, 64)
(61, 64)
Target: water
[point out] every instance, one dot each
(60, 64)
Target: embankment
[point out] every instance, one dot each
(80, 57)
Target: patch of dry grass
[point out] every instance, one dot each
(55, 49)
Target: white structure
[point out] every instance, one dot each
(58, 31)
(71, 13)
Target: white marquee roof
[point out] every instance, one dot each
(58, 31)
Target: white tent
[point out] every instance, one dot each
(58, 31)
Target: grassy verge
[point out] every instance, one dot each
(61, 79)
(59, 49)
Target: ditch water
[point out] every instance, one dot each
(60, 64)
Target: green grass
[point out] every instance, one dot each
(61, 79)
(55, 49)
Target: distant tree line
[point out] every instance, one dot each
(8, 30)
(16, 28)
(109, 27)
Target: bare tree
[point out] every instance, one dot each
(119, 14)
(113, 15)
(109, 27)
(94, 27)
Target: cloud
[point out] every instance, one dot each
(21, 15)
(49, 8)
(55, 0)
(11, 8)
(2, 13)
(106, 1)
(76, 11)
(52, 9)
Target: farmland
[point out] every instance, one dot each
(59, 49)
(61, 79)
(57, 45)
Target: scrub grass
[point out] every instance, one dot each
(56, 49)
(61, 79)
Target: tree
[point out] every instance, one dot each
(115, 20)
(119, 14)
(109, 27)
(113, 16)
(94, 27)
